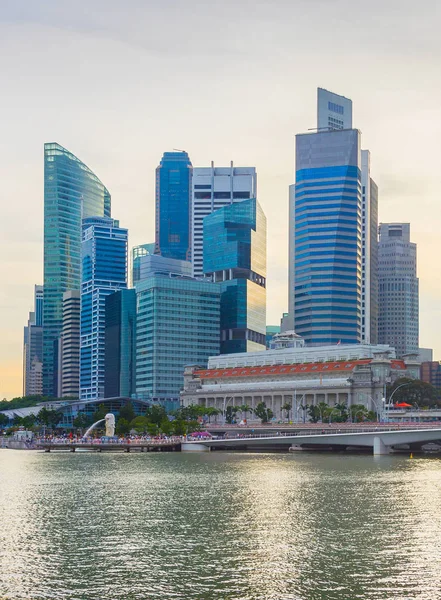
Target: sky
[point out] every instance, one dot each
(120, 82)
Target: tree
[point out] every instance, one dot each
(3, 420)
(139, 424)
(414, 391)
(166, 426)
(287, 407)
(29, 421)
(358, 413)
(230, 414)
(212, 412)
(314, 413)
(122, 427)
(99, 414)
(49, 418)
(156, 414)
(245, 409)
(179, 427)
(126, 412)
(265, 414)
(82, 421)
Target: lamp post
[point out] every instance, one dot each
(226, 401)
(330, 414)
(379, 413)
(388, 404)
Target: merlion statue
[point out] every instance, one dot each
(110, 424)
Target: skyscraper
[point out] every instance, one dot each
(177, 325)
(70, 351)
(173, 188)
(33, 349)
(137, 253)
(120, 344)
(104, 257)
(235, 256)
(71, 192)
(325, 237)
(333, 111)
(398, 320)
(212, 188)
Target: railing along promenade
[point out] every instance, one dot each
(98, 445)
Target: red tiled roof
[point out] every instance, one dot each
(322, 367)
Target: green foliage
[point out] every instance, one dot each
(245, 409)
(230, 414)
(166, 426)
(48, 418)
(26, 401)
(414, 392)
(313, 413)
(3, 420)
(210, 411)
(99, 414)
(122, 427)
(287, 407)
(127, 412)
(179, 427)
(82, 421)
(156, 414)
(139, 424)
(263, 413)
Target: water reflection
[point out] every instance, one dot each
(258, 526)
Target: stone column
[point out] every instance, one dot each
(379, 446)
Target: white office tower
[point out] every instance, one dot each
(369, 252)
(333, 111)
(398, 313)
(212, 188)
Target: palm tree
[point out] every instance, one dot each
(244, 409)
(287, 406)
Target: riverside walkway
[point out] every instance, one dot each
(168, 445)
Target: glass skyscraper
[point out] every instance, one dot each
(173, 191)
(325, 238)
(71, 192)
(120, 344)
(235, 256)
(138, 252)
(177, 325)
(104, 270)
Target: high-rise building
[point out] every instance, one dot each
(70, 345)
(155, 264)
(137, 253)
(325, 238)
(104, 256)
(33, 349)
(369, 252)
(120, 344)
(213, 188)
(235, 256)
(430, 372)
(173, 188)
(71, 192)
(178, 321)
(398, 300)
(333, 111)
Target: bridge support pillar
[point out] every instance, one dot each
(380, 447)
(194, 447)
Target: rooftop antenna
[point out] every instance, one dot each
(177, 150)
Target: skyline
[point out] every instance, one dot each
(105, 113)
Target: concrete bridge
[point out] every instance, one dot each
(380, 440)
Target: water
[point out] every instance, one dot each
(216, 526)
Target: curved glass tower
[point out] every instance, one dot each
(71, 192)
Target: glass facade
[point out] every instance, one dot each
(104, 270)
(120, 344)
(137, 253)
(173, 191)
(235, 256)
(325, 247)
(178, 323)
(71, 191)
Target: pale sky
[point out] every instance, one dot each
(120, 82)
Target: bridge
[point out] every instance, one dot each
(170, 445)
(381, 440)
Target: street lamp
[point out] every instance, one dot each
(330, 414)
(388, 404)
(226, 401)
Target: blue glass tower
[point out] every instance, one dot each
(235, 256)
(120, 342)
(104, 270)
(173, 191)
(71, 191)
(325, 238)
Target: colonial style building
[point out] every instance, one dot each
(349, 374)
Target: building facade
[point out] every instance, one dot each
(431, 373)
(235, 256)
(178, 322)
(71, 192)
(137, 254)
(33, 348)
(347, 374)
(398, 321)
(70, 345)
(120, 344)
(333, 111)
(212, 189)
(173, 189)
(325, 238)
(104, 270)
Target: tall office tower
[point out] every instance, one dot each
(33, 349)
(177, 324)
(325, 238)
(38, 296)
(213, 188)
(104, 256)
(137, 253)
(369, 252)
(71, 192)
(173, 188)
(398, 306)
(333, 111)
(120, 344)
(235, 256)
(155, 264)
(70, 345)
